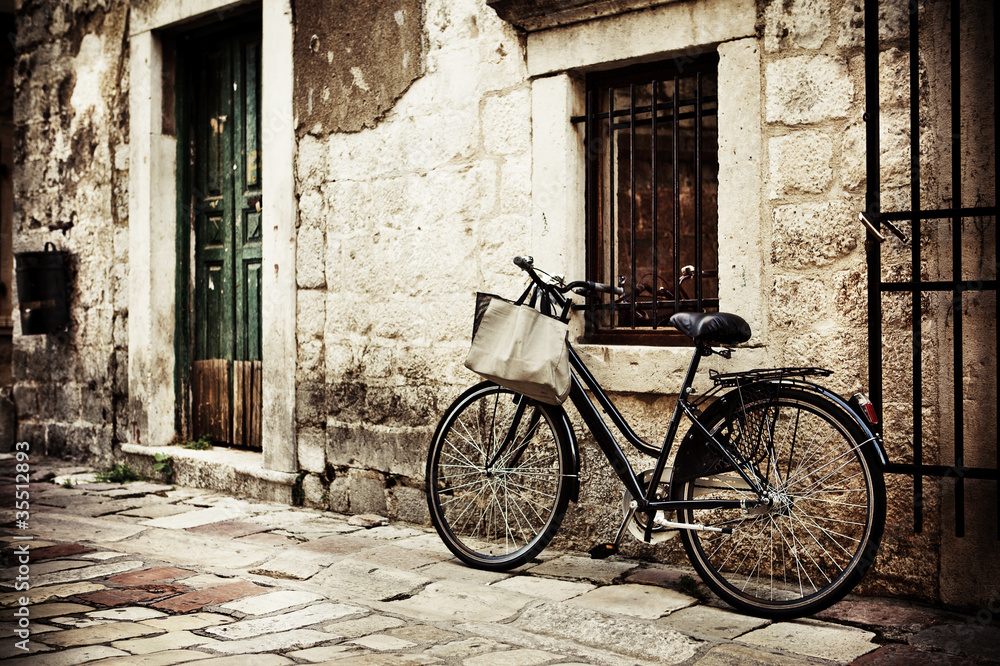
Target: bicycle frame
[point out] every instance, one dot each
(645, 498)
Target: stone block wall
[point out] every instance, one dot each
(71, 189)
(399, 225)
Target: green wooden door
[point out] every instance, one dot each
(225, 191)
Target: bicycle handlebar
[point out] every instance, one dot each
(581, 287)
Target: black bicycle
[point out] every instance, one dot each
(776, 489)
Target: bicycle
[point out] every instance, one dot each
(776, 488)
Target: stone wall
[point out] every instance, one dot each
(399, 225)
(71, 189)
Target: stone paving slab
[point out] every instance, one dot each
(271, 602)
(156, 511)
(836, 643)
(172, 641)
(295, 565)
(712, 622)
(80, 529)
(269, 539)
(582, 568)
(521, 657)
(184, 549)
(129, 614)
(85, 573)
(73, 657)
(895, 654)
(166, 658)
(57, 551)
(351, 580)
(188, 622)
(132, 595)
(102, 633)
(231, 529)
(544, 588)
(451, 601)
(198, 599)
(742, 655)
(322, 654)
(149, 575)
(194, 518)
(42, 594)
(304, 617)
(637, 600)
(40, 611)
(969, 640)
(367, 625)
(630, 636)
(577, 651)
(56, 565)
(280, 642)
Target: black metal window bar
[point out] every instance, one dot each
(918, 288)
(652, 183)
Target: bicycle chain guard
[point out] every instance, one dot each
(637, 523)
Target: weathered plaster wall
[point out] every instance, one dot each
(71, 184)
(350, 71)
(399, 224)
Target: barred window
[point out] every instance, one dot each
(652, 186)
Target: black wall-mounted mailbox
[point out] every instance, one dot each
(42, 291)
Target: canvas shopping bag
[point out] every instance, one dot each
(518, 347)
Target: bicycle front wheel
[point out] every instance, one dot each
(820, 534)
(497, 484)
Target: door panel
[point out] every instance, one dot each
(226, 200)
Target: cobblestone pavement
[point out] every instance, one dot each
(146, 573)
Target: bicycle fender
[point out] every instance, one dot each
(695, 458)
(872, 439)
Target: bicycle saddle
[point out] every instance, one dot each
(719, 327)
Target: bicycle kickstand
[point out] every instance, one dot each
(605, 550)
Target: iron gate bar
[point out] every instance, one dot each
(633, 191)
(656, 201)
(939, 213)
(965, 285)
(917, 286)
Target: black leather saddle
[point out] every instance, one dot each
(720, 328)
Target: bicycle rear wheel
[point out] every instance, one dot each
(821, 534)
(496, 477)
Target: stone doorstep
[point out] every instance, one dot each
(224, 470)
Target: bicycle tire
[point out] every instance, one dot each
(497, 518)
(820, 537)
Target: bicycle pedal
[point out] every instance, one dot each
(602, 551)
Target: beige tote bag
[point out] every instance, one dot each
(519, 348)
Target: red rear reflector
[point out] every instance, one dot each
(867, 408)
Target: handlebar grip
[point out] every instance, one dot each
(596, 287)
(524, 263)
(608, 289)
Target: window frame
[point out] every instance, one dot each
(600, 215)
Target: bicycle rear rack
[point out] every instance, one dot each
(733, 379)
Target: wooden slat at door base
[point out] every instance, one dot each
(247, 403)
(211, 408)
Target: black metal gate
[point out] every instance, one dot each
(921, 221)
